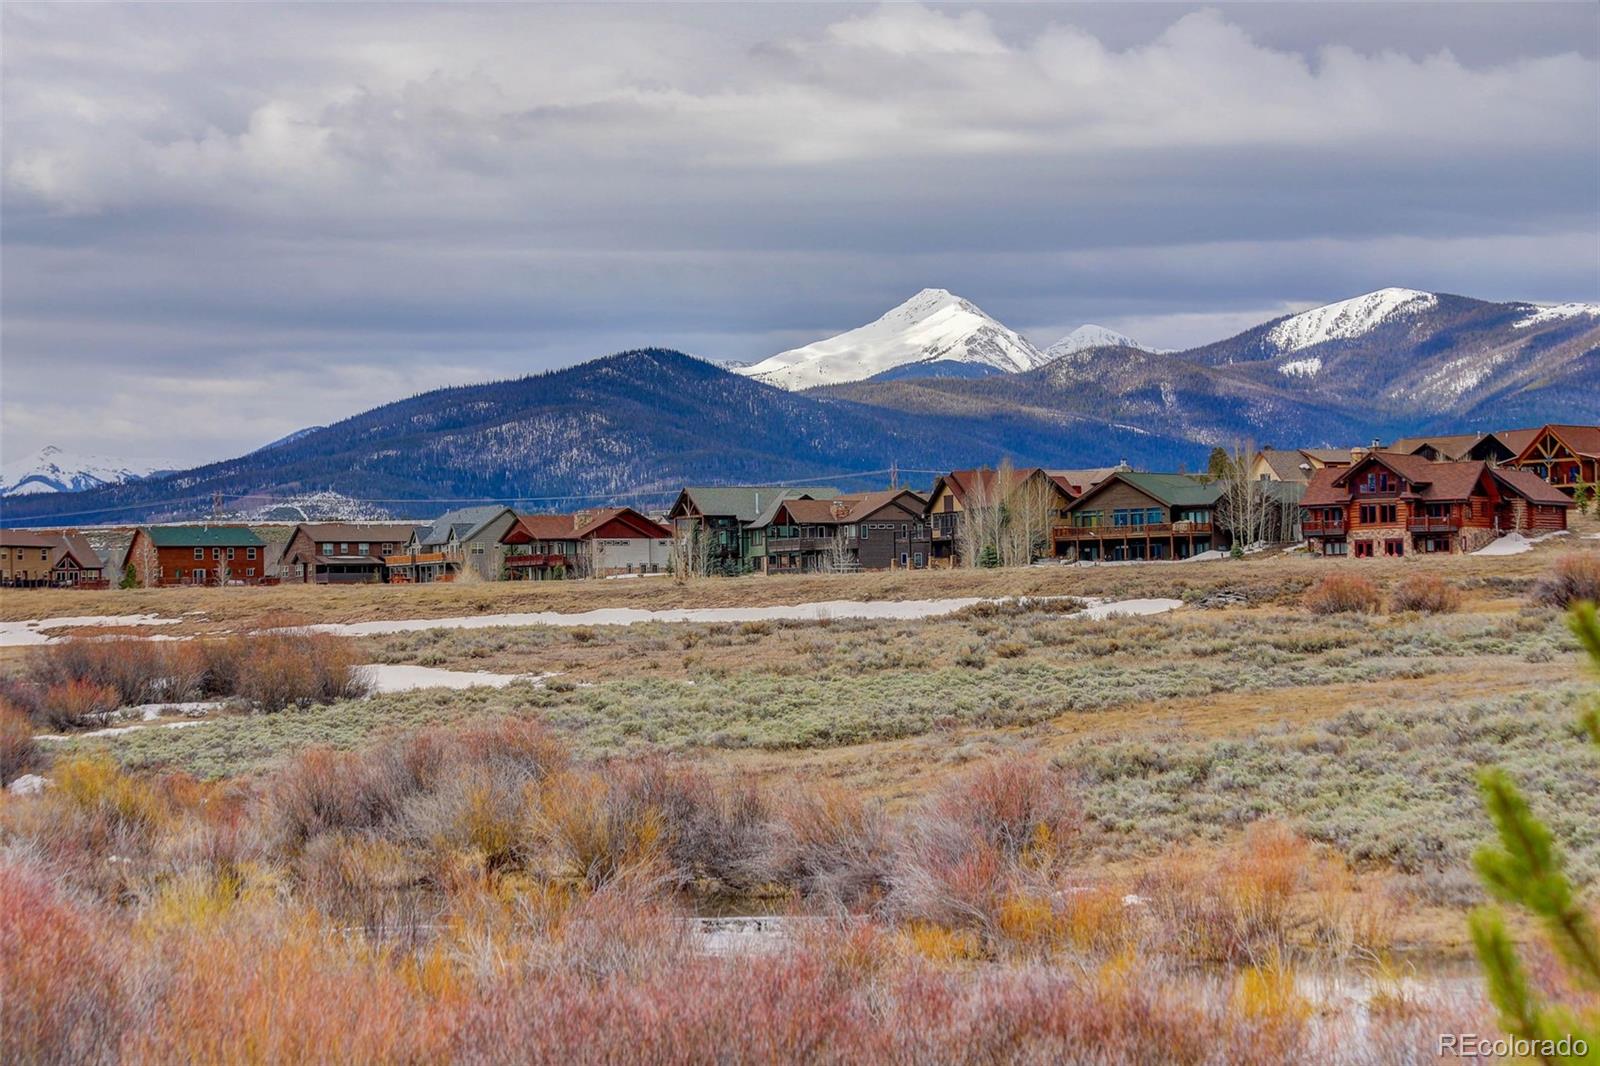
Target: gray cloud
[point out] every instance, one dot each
(236, 220)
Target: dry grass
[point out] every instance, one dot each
(1428, 593)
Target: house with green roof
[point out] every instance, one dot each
(720, 517)
(199, 554)
(1141, 516)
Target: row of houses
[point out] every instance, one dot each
(1414, 496)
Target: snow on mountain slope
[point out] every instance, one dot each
(934, 325)
(1540, 316)
(1346, 319)
(1088, 336)
(54, 470)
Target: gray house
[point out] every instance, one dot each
(458, 543)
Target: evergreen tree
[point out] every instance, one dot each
(1525, 870)
(1217, 465)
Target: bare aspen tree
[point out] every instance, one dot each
(689, 554)
(840, 557)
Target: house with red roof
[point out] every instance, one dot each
(884, 530)
(1393, 504)
(1564, 456)
(596, 543)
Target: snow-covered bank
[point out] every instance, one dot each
(28, 633)
(1515, 543)
(394, 677)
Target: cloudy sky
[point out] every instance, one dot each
(225, 222)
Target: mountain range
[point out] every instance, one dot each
(52, 469)
(933, 384)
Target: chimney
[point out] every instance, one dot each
(838, 509)
(1377, 445)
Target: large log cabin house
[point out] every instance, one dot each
(1393, 504)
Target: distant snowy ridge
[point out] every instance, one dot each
(1301, 368)
(53, 470)
(1347, 319)
(1540, 316)
(932, 326)
(1089, 336)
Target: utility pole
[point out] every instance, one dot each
(894, 473)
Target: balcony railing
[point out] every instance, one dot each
(1433, 525)
(1322, 527)
(1112, 532)
(775, 545)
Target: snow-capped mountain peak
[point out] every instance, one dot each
(52, 469)
(1347, 319)
(1090, 335)
(933, 326)
(1539, 315)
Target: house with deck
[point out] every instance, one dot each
(605, 542)
(717, 517)
(1390, 504)
(1132, 516)
(464, 542)
(954, 493)
(884, 530)
(341, 553)
(164, 556)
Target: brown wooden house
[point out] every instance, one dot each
(1392, 504)
(954, 492)
(341, 553)
(1131, 516)
(871, 531)
(197, 555)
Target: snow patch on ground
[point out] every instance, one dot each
(120, 730)
(1125, 608)
(28, 633)
(1515, 543)
(1555, 313)
(393, 677)
(1301, 368)
(1347, 318)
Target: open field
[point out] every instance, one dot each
(966, 803)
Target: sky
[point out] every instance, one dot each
(221, 223)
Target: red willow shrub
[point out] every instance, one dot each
(19, 753)
(1574, 578)
(1343, 594)
(1428, 593)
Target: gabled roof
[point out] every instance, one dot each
(354, 531)
(1515, 439)
(1327, 455)
(1451, 446)
(581, 524)
(1077, 482)
(1321, 490)
(1582, 440)
(465, 522)
(839, 510)
(1173, 490)
(27, 538)
(1531, 486)
(203, 537)
(1428, 480)
(1285, 464)
(747, 502)
(964, 483)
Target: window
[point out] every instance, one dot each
(1363, 549)
(1335, 547)
(249, 553)
(344, 547)
(230, 553)
(864, 530)
(918, 558)
(199, 553)
(327, 549)
(361, 549)
(216, 553)
(1376, 513)
(250, 571)
(1084, 519)
(44, 555)
(477, 549)
(178, 573)
(1394, 547)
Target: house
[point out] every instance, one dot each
(1501, 446)
(1450, 448)
(163, 556)
(1395, 504)
(956, 492)
(461, 542)
(872, 531)
(1564, 456)
(596, 543)
(1141, 516)
(717, 517)
(1320, 458)
(1280, 464)
(44, 559)
(341, 553)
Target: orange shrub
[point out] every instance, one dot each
(1425, 592)
(1575, 577)
(73, 704)
(1342, 594)
(18, 751)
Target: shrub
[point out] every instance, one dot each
(1427, 593)
(19, 753)
(1342, 594)
(833, 846)
(1574, 578)
(72, 704)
